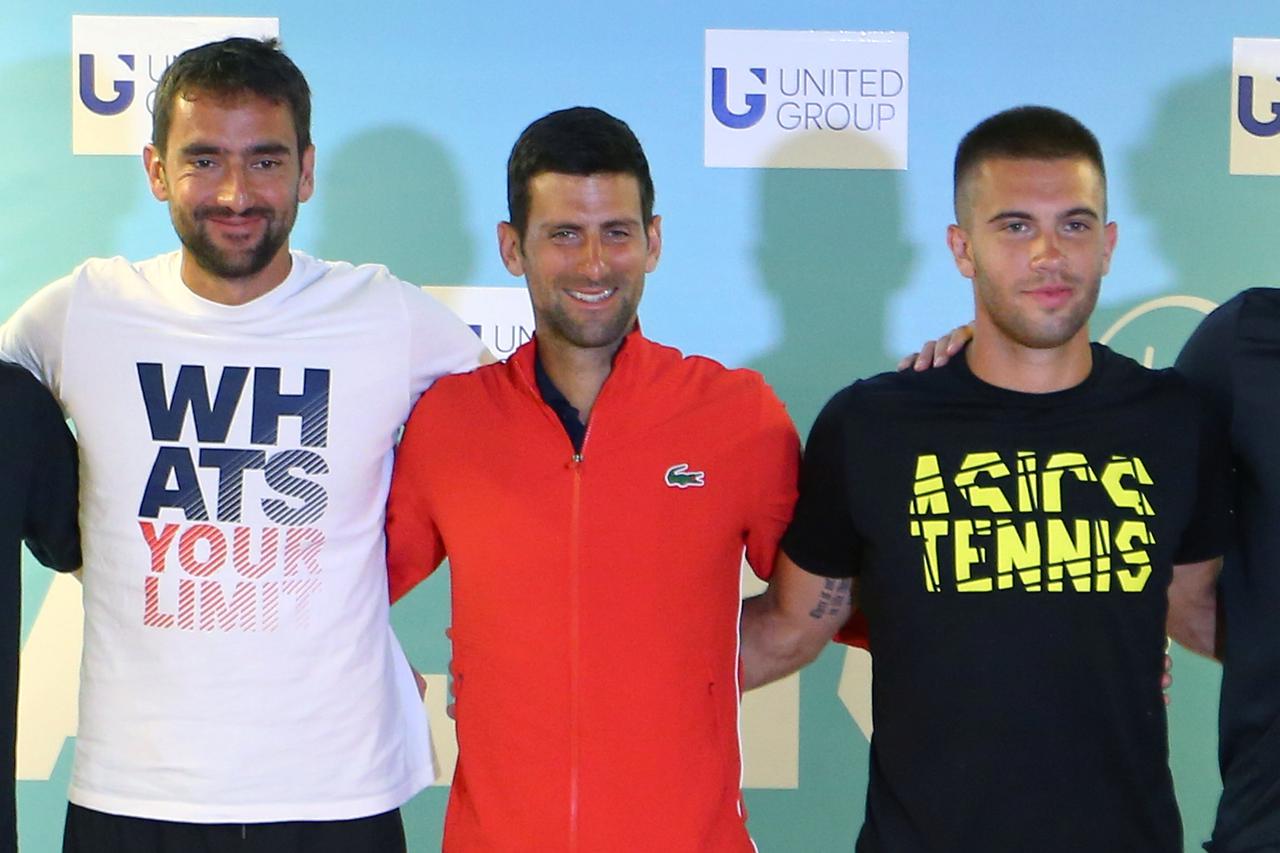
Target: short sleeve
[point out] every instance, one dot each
(33, 336)
(776, 461)
(414, 545)
(1207, 358)
(822, 539)
(1209, 529)
(439, 342)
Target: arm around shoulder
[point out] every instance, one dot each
(786, 626)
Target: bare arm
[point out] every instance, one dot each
(1193, 607)
(786, 626)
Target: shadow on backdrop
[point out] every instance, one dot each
(831, 252)
(392, 196)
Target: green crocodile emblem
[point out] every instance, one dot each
(680, 477)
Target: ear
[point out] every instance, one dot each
(1109, 236)
(155, 172)
(510, 249)
(653, 236)
(961, 250)
(307, 177)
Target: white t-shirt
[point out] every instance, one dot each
(239, 665)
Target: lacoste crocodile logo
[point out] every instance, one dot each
(680, 477)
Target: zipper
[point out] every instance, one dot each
(575, 630)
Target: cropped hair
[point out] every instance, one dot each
(575, 141)
(233, 67)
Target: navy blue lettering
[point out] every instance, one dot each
(269, 405)
(191, 391)
(231, 465)
(173, 463)
(280, 477)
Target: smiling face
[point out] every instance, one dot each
(584, 255)
(233, 177)
(1033, 240)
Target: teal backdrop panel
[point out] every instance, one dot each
(814, 277)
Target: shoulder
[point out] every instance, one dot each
(18, 387)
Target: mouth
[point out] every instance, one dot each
(592, 297)
(1052, 295)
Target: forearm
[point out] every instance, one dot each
(779, 637)
(1193, 609)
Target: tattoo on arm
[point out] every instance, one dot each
(834, 595)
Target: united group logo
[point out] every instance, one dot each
(1255, 106)
(116, 62)
(783, 99)
(500, 316)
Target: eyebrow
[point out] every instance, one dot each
(577, 226)
(1022, 214)
(198, 149)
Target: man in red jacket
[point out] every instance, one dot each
(594, 495)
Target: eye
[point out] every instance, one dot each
(202, 163)
(267, 164)
(1015, 226)
(1077, 226)
(618, 234)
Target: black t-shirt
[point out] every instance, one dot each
(38, 505)
(1234, 356)
(1013, 554)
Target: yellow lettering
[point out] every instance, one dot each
(1069, 551)
(1018, 552)
(1028, 483)
(1122, 468)
(969, 555)
(1051, 484)
(990, 497)
(1137, 571)
(929, 496)
(930, 531)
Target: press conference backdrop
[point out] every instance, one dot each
(802, 155)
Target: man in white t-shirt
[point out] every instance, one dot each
(237, 405)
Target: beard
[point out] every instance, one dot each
(233, 263)
(558, 318)
(1044, 332)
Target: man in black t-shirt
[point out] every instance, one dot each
(1015, 521)
(37, 505)
(1233, 357)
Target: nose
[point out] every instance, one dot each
(591, 261)
(1048, 256)
(233, 189)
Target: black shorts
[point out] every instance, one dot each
(89, 831)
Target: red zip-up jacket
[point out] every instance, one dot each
(595, 595)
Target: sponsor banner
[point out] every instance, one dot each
(806, 99)
(116, 62)
(500, 316)
(1255, 106)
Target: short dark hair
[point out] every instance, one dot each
(1025, 133)
(575, 141)
(232, 67)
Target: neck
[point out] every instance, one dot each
(998, 361)
(579, 372)
(235, 291)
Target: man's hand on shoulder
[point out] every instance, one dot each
(938, 352)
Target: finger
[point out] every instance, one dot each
(957, 338)
(449, 709)
(925, 358)
(906, 361)
(1168, 663)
